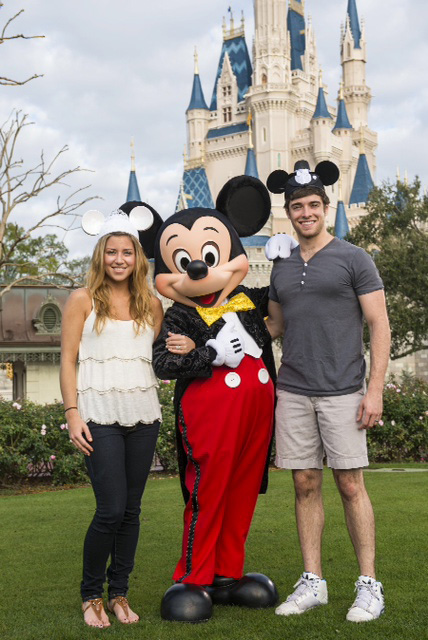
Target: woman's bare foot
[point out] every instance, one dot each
(121, 609)
(94, 614)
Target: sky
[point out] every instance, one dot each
(113, 71)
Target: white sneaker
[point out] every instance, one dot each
(369, 603)
(310, 591)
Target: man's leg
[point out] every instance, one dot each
(309, 516)
(359, 517)
(299, 447)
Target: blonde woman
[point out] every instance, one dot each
(112, 407)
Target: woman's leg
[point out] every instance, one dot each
(107, 471)
(140, 442)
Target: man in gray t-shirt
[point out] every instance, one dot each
(318, 299)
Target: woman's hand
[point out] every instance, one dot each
(80, 434)
(179, 344)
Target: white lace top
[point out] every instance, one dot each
(115, 381)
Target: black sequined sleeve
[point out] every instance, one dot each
(197, 363)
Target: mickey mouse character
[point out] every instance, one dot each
(224, 395)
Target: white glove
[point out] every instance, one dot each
(279, 246)
(229, 346)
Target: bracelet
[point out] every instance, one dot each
(65, 410)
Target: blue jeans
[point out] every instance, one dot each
(118, 468)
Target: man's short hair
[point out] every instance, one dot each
(306, 191)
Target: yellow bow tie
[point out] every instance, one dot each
(240, 302)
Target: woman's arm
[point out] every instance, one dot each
(157, 311)
(76, 310)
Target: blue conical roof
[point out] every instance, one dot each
(251, 164)
(321, 110)
(236, 48)
(197, 100)
(341, 226)
(354, 22)
(342, 120)
(296, 28)
(363, 182)
(195, 185)
(133, 190)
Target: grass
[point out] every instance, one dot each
(40, 551)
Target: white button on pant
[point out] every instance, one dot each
(232, 380)
(263, 376)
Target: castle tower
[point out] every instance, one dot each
(321, 125)
(353, 60)
(343, 132)
(363, 182)
(197, 116)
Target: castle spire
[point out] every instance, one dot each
(297, 30)
(342, 120)
(341, 226)
(197, 100)
(321, 110)
(354, 23)
(133, 193)
(251, 163)
(363, 182)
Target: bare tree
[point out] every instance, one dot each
(4, 37)
(18, 185)
(31, 254)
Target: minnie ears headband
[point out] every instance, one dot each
(325, 174)
(135, 218)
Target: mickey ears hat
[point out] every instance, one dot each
(325, 174)
(95, 224)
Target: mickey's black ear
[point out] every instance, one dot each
(277, 180)
(328, 172)
(148, 235)
(245, 202)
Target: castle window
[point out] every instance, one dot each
(227, 91)
(264, 79)
(264, 134)
(227, 114)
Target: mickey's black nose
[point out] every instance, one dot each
(197, 269)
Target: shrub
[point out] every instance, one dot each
(34, 443)
(402, 434)
(166, 446)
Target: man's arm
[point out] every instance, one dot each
(374, 309)
(275, 319)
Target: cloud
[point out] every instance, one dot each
(113, 71)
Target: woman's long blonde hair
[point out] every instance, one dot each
(140, 305)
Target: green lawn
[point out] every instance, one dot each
(40, 555)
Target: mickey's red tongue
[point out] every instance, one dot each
(207, 300)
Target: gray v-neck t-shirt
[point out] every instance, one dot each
(322, 352)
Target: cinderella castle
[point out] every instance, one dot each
(270, 110)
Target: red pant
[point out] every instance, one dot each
(226, 431)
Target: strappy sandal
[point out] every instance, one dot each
(123, 603)
(98, 607)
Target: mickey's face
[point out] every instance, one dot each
(203, 267)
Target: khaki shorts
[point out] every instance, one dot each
(309, 428)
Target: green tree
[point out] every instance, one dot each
(394, 232)
(42, 257)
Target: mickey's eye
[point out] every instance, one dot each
(182, 260)
(211, 254)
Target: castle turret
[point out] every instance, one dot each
(133, 193)
(341, 226)
(251, 162)
(363, 182)
(343, 131)
(321, 125)
(197, 116)
(353, 60)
